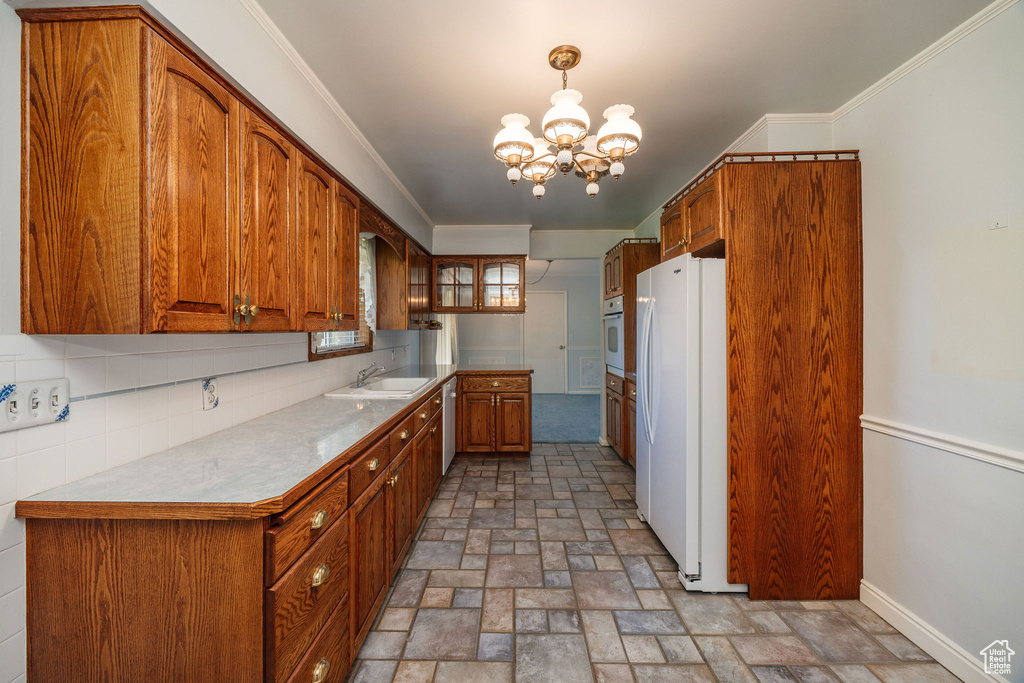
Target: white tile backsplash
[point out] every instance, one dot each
(107, 431)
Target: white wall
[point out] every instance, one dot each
(481, 239)
(942, 151)
(137, 395)
(574, 244)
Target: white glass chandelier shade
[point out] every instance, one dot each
(542, 164)
(617, 169)
(538, 190)
(566, 123)
(514, 174)
(514, 140)
(590, 159)
(593, 189)
(620, 132)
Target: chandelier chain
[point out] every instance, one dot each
(565, 79)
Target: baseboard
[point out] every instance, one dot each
(603, 441)
(925, 636)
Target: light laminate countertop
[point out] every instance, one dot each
(252, 465)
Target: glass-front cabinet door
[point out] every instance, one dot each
(454, 285)
(501, 285)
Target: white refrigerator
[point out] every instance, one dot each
(681, 456)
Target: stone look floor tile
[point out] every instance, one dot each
(538, 569)
(552, 657)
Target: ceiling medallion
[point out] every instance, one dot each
(566, 126)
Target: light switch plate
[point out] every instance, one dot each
(210, 398)
(27, 404)
(999, 220)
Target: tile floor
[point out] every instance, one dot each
(536, 569)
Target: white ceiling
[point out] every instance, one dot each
(428, 81)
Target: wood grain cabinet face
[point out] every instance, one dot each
(369, 558)
(703, 213)
(402, 485)
(419, 287)
(477, 422)
(316, 239)
(512, 426)
(673, 233)
(346, 256)
(613, 274)
(629, 430)
(455, 284)
(269, 171)
(478, 284)
(501, 285)
(192, 244)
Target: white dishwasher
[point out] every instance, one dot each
(448, 450)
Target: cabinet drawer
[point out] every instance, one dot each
(293, 531)
(614, 383)
(329, 651)
(297, 609)
(368, 467)
(401, 436)
(631, 389)
(425, 411)
(502, 383)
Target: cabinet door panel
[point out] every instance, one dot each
(703, 213)
(193, 158)
(401, 503)
(346, 227)
(423, 448)
(501, 286)
(315, 240)
(513, 423)
(370, 566)
(673, 237)
(454, 284)
(631, 433)
(477, 422)
(268, 215)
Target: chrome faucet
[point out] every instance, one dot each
(368, 372)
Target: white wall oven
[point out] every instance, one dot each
(614, 334)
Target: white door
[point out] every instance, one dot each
(544, 332)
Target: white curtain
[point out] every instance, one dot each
(368, 279)
(447, 340)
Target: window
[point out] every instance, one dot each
(331, 344)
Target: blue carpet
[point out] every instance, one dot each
(566, 418)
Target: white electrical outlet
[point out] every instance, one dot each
(210, 397)
(27, 404)
(392, 355)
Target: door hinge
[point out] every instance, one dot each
(695, 577)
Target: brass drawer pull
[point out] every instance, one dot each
(393, 480)
(433, 429)
(632, 392)
(253, 310)
(404, 434)
(319, 519)
(320, 670)
(495, 383)
(611, 382)
(423, 415)
(320, 575)
(373, 465)
(437, 400)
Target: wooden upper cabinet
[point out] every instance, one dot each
(419, 287)
(673, 235)
(269, 177)
(478, 284)
(346, 256)
(613, 274)
(703, 213)
(501, 284)
(192, 242)
(316, 240)
(454, 284)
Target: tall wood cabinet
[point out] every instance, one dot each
(789, 227)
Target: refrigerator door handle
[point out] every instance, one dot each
(653, 370)
(641, 376)
(648, 374)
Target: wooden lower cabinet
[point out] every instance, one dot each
(613, 418)
(402, 484)
(370, 560)
(494, 414)
(630, 430)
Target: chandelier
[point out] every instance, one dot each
(566, 126)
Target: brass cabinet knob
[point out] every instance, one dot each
(433, 429)
(404, 434)
(683, 242)
(253, 310)
(632, 392)
(495, 383)
(320, 575)
(319, 519)
(611, 382)
(423, 415)
(320, 670)
(373, 465)
(437, 400)
(561, 347)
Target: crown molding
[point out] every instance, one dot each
(271, 29)
(956, 35)
(483, 227)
